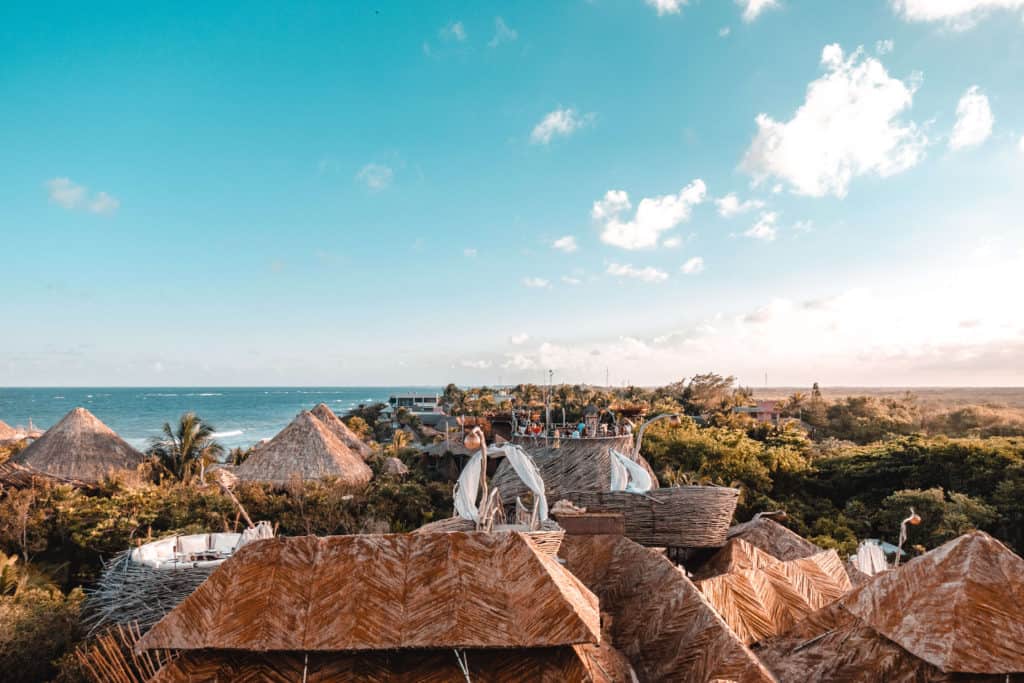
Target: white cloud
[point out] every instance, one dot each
(569, 280)
(469, 252)
(654, 215)
(884, 47)
(559, 123)
(519, 361)
(764, 228)
(693, 266)
(70, 195)
(65, 192)
(454, 31)
(848, 126)
(519, 339)
(724, 32)
(667, 6)
(957, 14)
(648, 274)
(974, 120)
(502, 33)
(730, 205)
(566, 244)
(803, 226)
(673, 242)
(1020, 144)
(536, 282)
(752, 8)
(475, 364)
(104, 203)
(375, 176)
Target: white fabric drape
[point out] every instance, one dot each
(468, 486)
(636, 479)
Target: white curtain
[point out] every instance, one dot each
(637, 479)
(467, 489)
(524, 466)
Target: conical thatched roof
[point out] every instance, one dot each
(306, 448)
(80, 448)
(395, 467)
(7, 432)
(383, 592)
(659, 619)
(760, 596)
(341, 430)
(958, 609)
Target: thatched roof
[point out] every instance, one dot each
(958, 609)
(7, 432)
(394, 467)
(658, 618)
(80, 448)
(774, 539)
(548, 665)
(574, 465)
(383, 592)
(306, 448)
(342, 431)
(760, 596)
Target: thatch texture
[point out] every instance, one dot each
(384, 592)
(773, 538)
(8, 433)
(657, 618)
(566, 465)
(760, 596)
(342, 431)
(308, 449)
(549, 665)
(80, 448)
(394, 467)
(955, 613)
(680, 516)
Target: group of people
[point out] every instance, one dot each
(575, 432)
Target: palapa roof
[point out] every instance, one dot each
(774, 539)
(547, 665)
(7, 432)
(958, 609)
(341, 430)
(79, 448)
(760, 596)
(394, 467)
(306, 448)
(383, 592)
(658, 618)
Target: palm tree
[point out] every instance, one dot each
(400, 440)
(188, 446)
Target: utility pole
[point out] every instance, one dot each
(547, 402)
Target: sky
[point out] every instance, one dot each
(323, 193)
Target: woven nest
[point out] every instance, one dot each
(681, 516)
(566, 465)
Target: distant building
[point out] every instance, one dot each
(764, 411)
(427, 407)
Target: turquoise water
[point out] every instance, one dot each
(242, 416)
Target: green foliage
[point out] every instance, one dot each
(37, 628)
(186, 449)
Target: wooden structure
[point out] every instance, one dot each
(680, 516)
(768, 535)
(953, 614)
(760, 596)
(394, 607)
(8, 433)
(656, 617)
(307, 449)
(341, 430)
(80, 449)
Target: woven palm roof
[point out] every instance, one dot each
(760, 596)
(958, 609)
(774, 539)
(306, 448)
(342, 431)
(80, 448)
(7, 432)
(658, 618)
(547, 665)
(383, 592)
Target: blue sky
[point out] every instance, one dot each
(330, 193)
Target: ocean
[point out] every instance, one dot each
(241, 416)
